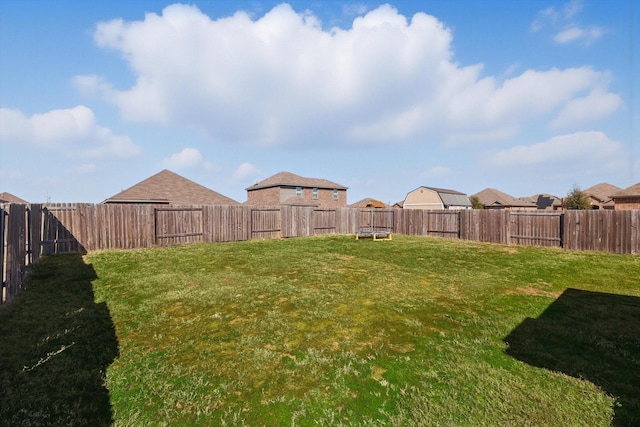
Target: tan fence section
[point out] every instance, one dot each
(29, 231)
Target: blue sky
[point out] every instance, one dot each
(524, 96)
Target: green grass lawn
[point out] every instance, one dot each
(326, 331)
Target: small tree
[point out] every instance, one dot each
(475, 203)
(576, 199)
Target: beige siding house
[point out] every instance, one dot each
(168, 188)
(286, 188)
(432, 198)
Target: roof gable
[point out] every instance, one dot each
(493, 197)
(10, 198)
(602, 192)
(369, 203)
(170, 188)
(288, 179)
(441, 190)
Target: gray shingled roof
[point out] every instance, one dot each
(453, 199)
(288, 179)
(171, 188)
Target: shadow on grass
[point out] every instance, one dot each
(55, 346)
(588, 335)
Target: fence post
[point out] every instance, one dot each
(635, 231)
(3, 253)
(561, 229)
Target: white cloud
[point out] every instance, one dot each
(586, 35)
(283, 80)
(353, 9)
(596, 106)
(563, 23)
(571, 8)
(74, 131)
(584, 148)
(551, 16)
(245, 171)
(91, 85)
(186, 159)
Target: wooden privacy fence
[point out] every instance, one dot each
(29, 231)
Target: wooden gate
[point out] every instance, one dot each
(324, 221)
(55, 222)
(174, 226)
(444, 223)
(266, 223)
(536, 228)
(376, 220)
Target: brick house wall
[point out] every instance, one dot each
(325, 197)
(626, 203)
(276, 195)
(264, 196)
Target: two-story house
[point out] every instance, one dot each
(286, 188)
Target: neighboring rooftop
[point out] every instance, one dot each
(451, 197)
(602, 192)
(490, 197)
(10, 198)
(633, 191)
(369, 203)
(288, 179)
(545, 201)
(167, 187)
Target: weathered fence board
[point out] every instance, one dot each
(3, 249)
(16, 256)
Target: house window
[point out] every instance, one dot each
(335, 194)
(298, 191)
(315, 192)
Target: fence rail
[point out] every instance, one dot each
(29, 231)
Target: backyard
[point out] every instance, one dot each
(326, 330)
